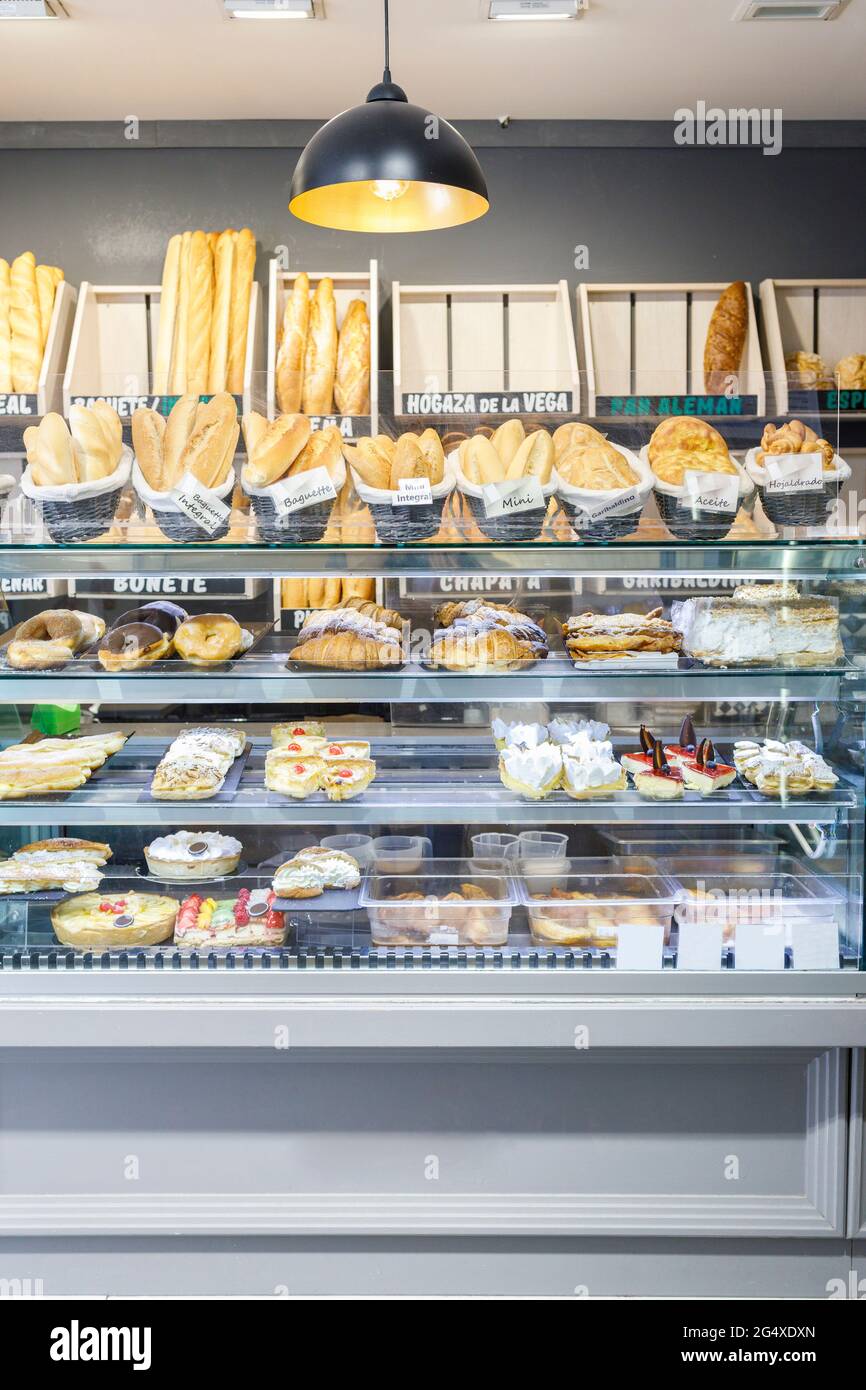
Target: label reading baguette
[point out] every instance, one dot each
(713, 492)
(787, 473)
(517, 495)
(304, 490)
(200, 504)
(413, 492)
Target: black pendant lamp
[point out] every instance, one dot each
(388, 166)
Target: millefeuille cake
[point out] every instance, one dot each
(614, 636)
(760, 624)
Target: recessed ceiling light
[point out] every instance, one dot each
(270, 9)
(32, 9)
(789, 9)
(535, 9)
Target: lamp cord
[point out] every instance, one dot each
(386, 76)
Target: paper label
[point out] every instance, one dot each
(815, 945)
(304, 490)
(700, 946)
(612, 506)
(516, 495)
(639, 947)
(759, 946)
(200, 504)
(713, 492)
(413, 492)
(787, 473)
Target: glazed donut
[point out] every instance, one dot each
(132, 645)
(51, 638)
(37, 654)
(209, 638)
(55, 625)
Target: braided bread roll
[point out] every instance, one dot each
(26, 324)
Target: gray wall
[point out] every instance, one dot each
(646, 211)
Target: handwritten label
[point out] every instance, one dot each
(413, 492)
(516, 495)
(612, 506)
(488, 403)
(815, 945)
(759, 946)
(200, 504)
(17, 405)
(788, 473)
(639, 947)
(713, 492)
(304, 490)
(700, 946)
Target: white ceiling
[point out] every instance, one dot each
(625, 58)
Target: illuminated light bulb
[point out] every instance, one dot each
(389, 189)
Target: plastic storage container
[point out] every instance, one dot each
(736, 894)
(448, 902)
(583, 908)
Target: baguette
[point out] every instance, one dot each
(168, 308)
(431, 447)
(293, 593)
(409, 462)
(242, 284)
(352, 382)
(209, 452)
(54, 459)
(177, 375)
(200, 314)
(47, 279)
(92, 450)
(320, 359)
(26, 324)
(5, 327)
(148, 439)
(255, 426)
(372, 463)
(277, 450)
(178, 432)
(224, 260)
(111, 424)
(290, 358)
(321, 450)
(726, 337)
(534, 458)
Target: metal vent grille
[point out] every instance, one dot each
(789, 9)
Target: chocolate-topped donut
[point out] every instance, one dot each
(165, 616)
(133, 639)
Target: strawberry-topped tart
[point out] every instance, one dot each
(684, 751)
(704, 772)
(660, 782)
(248, 919)
(640, 761)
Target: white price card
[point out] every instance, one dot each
(413, 492)
(791, 473)
(713, 492)
(700, 946)
(639, 947)
(200, 503)
(611, 506)
(815, 945)
(759, 946)
(304, 490)
(514, 495)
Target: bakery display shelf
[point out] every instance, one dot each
(808, 558)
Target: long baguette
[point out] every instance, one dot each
(168, 307)
(352, 382)
(200, 314)
(26, 324)
(5, 327)
(224, 260)
(245, 264)
(177, 376)
(320, 360)
(290, 358)
(46, 285)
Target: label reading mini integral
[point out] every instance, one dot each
(304, 490)
(200, 504)
(713, 492)
(792, 473)
(518, 495)
(413, 492)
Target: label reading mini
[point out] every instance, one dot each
(791, 473)
(304, 490)
(518, 495)
(413, 492)
(713, 492)
(200, 504)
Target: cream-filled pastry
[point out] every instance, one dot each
(562, 730)
(507, 734)
(532, 772)
(782, 769)
(590, 769)
(348, 750)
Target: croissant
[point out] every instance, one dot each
(369, 609)
(462, 649)
(346, 651)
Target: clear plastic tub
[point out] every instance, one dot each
(669, 840)
(584, 908)
(786, 895)
(448, 902)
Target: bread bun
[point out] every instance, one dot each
(322, 450)
(409, 462)
(113, 427)
(148, 441)
(481, 463)
(276, 450)
(178, 432)
(508, 439)
(208, 638)
(434, 455)
(372, 463)
(534, 458)
(255, 426)
(208, 454)
(93, 450)
(54, 461)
